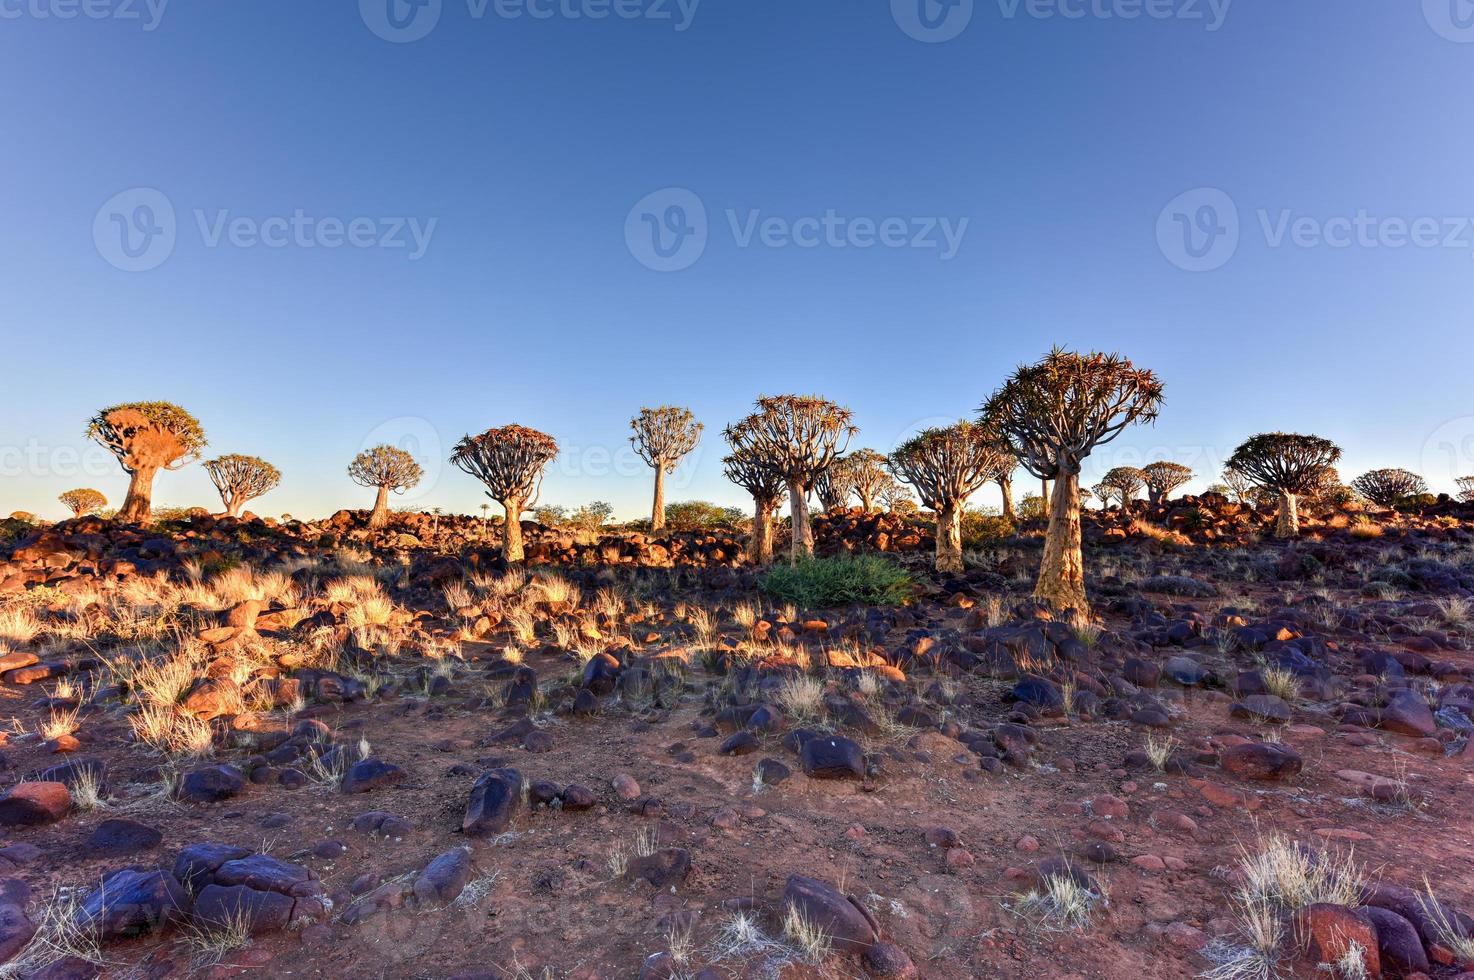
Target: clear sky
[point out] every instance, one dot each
(525, 150)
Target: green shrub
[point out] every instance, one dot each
(700, 515)
(981, 525)
(590, 517)
(818, 583)
(1032, 508)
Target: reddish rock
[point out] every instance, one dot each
(34, 804)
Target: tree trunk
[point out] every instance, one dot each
(1005, 485)
(138, 505)
(657, 510)
(512, 533)
(1044, 485)
(949, 538)
(1288, 525)
(803, 534)
(380, 515)
(867, 500)
(1153, 497)
(760, 547)
(233, 506)
(1062, 570)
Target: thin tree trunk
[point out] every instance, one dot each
(760, 548)
(138, 504)
(867, 500)
(1005, 485)
(803, 535)
(1044, 484)
(233, 507)
(1288, 525)
(657, 510)
(380, 515)
(949, 538)
(512, 533)
(1062, 570)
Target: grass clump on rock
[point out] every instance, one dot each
(817, 583)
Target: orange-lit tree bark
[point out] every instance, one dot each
(83, 500)
(766, 488)
(663, 436)
(147, 437)
(798, 437)
(387, 469)
(241, 478)
(1162, 477)
(1288, 465)
(1386, 488)
(946, 466)
(510, 462)
(1054, 413)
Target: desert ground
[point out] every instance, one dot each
(242, 746)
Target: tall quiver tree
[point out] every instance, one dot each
(946, 466)
(387, 469)
(147, 437)
(1386, 488)
(1162, 477)
(1054, 413)
(83, 500)
(798, 437)
(1288, 465)
(510, 461)
(766, 488)
(663, 436)
(867, 472)
(1123, 483)
(241, 478)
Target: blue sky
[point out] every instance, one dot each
(1057, 149)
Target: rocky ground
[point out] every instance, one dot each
(313, 749)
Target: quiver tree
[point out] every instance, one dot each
(834, 485)
(1123, 483)
(1287, 465)
(388, 470)
(1386, 487)
(798, 437)
(241, 478)
(946, 466)
(1054, 413)
(1466, 488)
(1162, 477)
(510, 461)
(84, 500)
(663, 436)
(867, 472)
(895, 498)
(766, 488)
(1102, 492)
(147, 437)
(1238, 485)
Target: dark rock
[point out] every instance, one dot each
(843, 920)
(210, 784)
(832, 757)
(667, 866)
(132, 903)
(224, 906)
(120, 838)
(1262, 760)
(371, 774)
(494, 800)
(444, 878)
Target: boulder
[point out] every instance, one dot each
(132, 903)
(832, 757)
(444, 878)
(848, 926)
(494, 800)
(1262, 760)
(34, 804)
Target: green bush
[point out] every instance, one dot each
(982, 525)
(590, 517)
(818, 583)
(700, 515)
(1032, 508)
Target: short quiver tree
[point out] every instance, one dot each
(868, 474)
(1287, 465)
(766, 488)
(946, 466)
(1466, 488)
(1123, 483)
(663, 437)
(83, 500)
(1386, 487)
(1238, 485)
(147, 437)
(797, 437)
(241, 478)
(510, 462)
(387, 469)
(834, 485)
(1054, 413)
(1162, 477)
